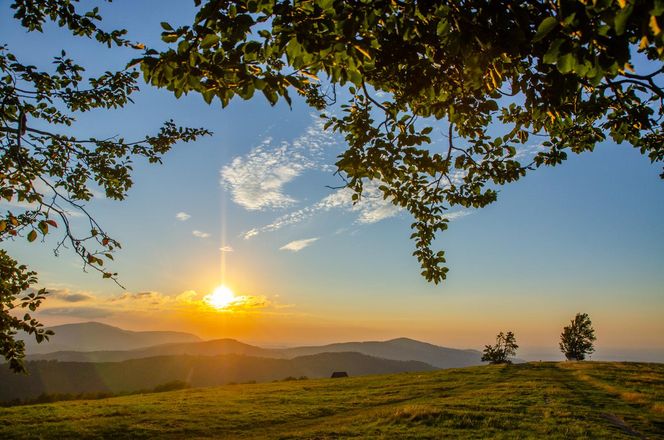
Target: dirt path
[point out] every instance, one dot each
(586, 389)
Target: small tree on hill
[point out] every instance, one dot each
(501, 352)
(576, 340)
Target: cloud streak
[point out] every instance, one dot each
(372, 208)
(78, 312)
(72, 297)
(257, 180)
(298, 245)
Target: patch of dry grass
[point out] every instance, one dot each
(538, 400)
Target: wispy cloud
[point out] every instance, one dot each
(371, 208)
(226, 249)
(151, 298)
(200, 234)
(71, 297)
(78, 312)
(190, 301)
(187, 300)
(298, 245)
(182, 216)
(257, 180)
(191, 298)
(451, 216)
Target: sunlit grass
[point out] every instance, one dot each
(537, 400)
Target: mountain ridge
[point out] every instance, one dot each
(401, 349)
(97, 336)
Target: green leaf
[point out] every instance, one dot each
(169, 38)
(545, 28)
(209, 41)
(551, 56)
(566, 63)
(32, 236)
(620, 22)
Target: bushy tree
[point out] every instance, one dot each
(15, 280)
(47, 174)
(576, 340)
(501, 76)
(502, 351)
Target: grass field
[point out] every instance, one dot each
(535, 400)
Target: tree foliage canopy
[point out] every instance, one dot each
(504, 349)
(576, 340)
(45, 174)
(567, 74)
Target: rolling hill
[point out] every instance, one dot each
(90, 336)
(206, 348)
(402, 349)
(555, 401)
(399, 349)
(52, 377)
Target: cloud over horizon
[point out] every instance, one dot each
(150, 302)
(78, 312)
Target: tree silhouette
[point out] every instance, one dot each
(576, 340)
(501, 352)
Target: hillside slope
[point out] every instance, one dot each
(402, 349)
(214, 347)
(537, 400)
(200, 371)
(89, 336)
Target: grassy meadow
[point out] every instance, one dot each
(534, 400)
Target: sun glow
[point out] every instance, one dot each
(221, 298)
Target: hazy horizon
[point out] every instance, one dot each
(525, 352)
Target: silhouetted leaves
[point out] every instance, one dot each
(15, 279)
(51, 174)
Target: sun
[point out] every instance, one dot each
(220, 298)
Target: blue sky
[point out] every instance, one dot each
(585, 236)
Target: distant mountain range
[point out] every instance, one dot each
(91, 336)
(200, 371)
(95, 357)
(402, 349)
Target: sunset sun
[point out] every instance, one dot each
(221, 298)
